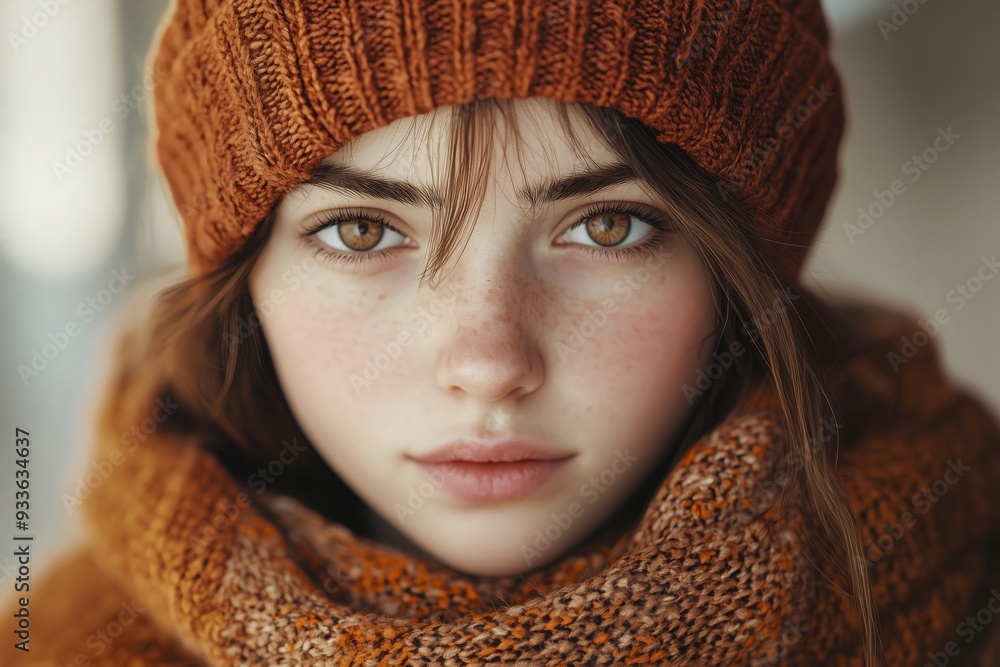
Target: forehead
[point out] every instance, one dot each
(415, 148)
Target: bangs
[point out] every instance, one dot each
(470, 152)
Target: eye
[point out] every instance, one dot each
(615, 225)
(353, 232)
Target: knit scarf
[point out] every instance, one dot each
(714, 573)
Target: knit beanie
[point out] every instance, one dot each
(251, 95)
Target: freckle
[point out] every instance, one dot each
(381, 296)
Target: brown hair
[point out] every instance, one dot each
(206, 336)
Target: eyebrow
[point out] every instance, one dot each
(343, 178)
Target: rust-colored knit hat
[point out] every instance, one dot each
(251, 95)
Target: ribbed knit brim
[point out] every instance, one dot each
(251, 95)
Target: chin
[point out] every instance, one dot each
(494, 565)
(489, 552)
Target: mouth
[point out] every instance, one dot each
(492, 472)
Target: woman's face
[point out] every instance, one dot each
(499, 417)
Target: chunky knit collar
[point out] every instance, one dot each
(710, 576)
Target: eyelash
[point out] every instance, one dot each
(351, 260)
(649, 245)
(645, 247)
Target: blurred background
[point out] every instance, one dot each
(82, 216)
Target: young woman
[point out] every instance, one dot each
(493, 351)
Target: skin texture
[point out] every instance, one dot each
(488, 352)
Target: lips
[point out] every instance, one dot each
(497, 471)
(499, 451)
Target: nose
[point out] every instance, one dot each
(489, 351)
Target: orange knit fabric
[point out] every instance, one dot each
(251, 96)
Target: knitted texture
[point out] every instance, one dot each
(251, 96)
(179, 571)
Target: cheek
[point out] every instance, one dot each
(639, 359)
(325, 347)
(624, 390)
(320, 343)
